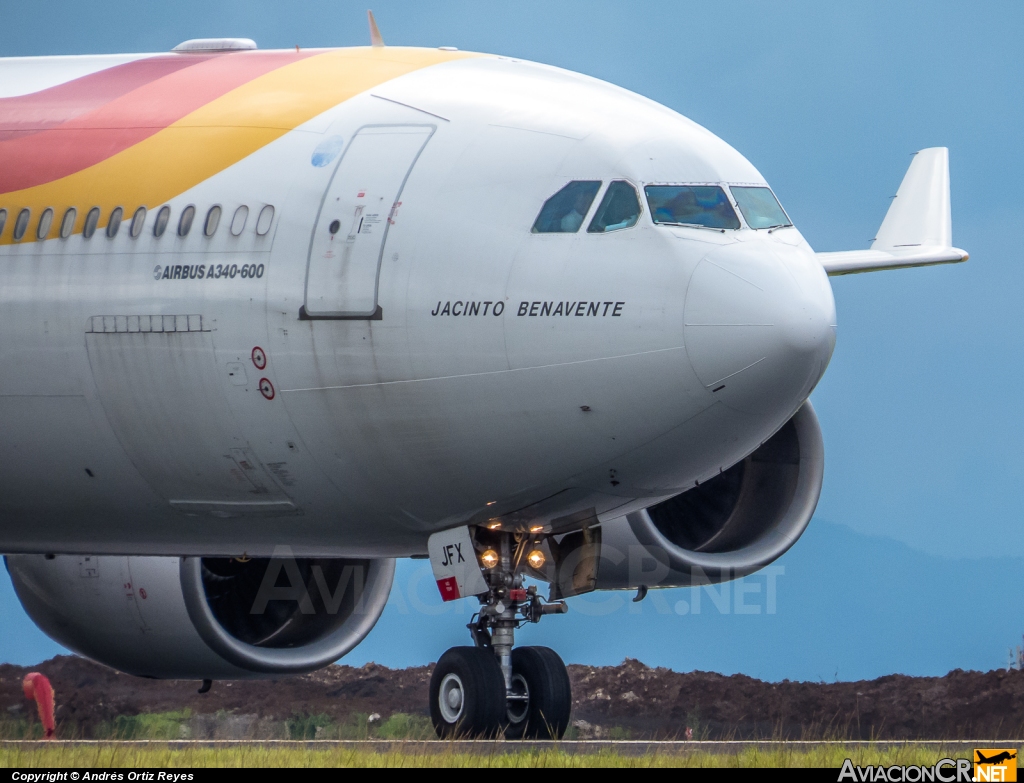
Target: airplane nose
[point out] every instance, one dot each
(759, 325)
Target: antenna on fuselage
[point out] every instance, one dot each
(375, 36)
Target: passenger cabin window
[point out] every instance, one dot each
(706, 206)
(620, 208)
(3, 221)
(265, 219)
(21, 224)
(212, 221)
(163, 217)
(138, 221)
(238, 221)
(185, 221)
(92, 219)
(563, 213)
(760, 208)
(114, 222)
(67, 223)
(45, 221)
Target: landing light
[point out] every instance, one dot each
(536, 559)
(489, 559)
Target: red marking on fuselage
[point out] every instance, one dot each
(23, 115)
(90, 135)
(259, 358)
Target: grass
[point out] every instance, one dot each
(180, 726)
(153, 725)
(159, 755)
(399, 726)
(20, 729)
(165, 731)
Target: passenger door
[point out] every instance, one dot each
(351, 229)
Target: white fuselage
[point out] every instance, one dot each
(504, 374)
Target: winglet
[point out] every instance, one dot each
(920, 215)
(375, 36)
(917, 229)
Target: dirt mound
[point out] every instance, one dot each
(662, 702)
(89, 694)
(626, 700)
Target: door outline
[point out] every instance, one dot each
(377, 313)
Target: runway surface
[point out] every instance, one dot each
(625, 747)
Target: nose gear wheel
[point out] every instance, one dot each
(545, 712)
(467, 694)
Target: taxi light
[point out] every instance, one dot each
(489, 559)
(536, 559)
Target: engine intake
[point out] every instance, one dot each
(200, 618)
(730, 526)
(284, 615)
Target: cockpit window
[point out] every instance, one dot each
(563, 213)
(620, 208)
(760, 208)
(691, 205)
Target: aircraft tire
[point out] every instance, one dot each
(467, 694)
(540, 674)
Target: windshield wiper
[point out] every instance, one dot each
(689, 225)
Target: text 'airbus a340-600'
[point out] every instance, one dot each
(273, 319)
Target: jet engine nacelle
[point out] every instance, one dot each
(727, 527)
(199, 618)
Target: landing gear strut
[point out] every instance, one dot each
(491, 689)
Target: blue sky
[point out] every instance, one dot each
(921, 405)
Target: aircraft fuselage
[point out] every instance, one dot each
(378, 346)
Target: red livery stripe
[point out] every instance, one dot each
(26, 114)
(114, 109)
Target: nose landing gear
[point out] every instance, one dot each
(491, 689)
